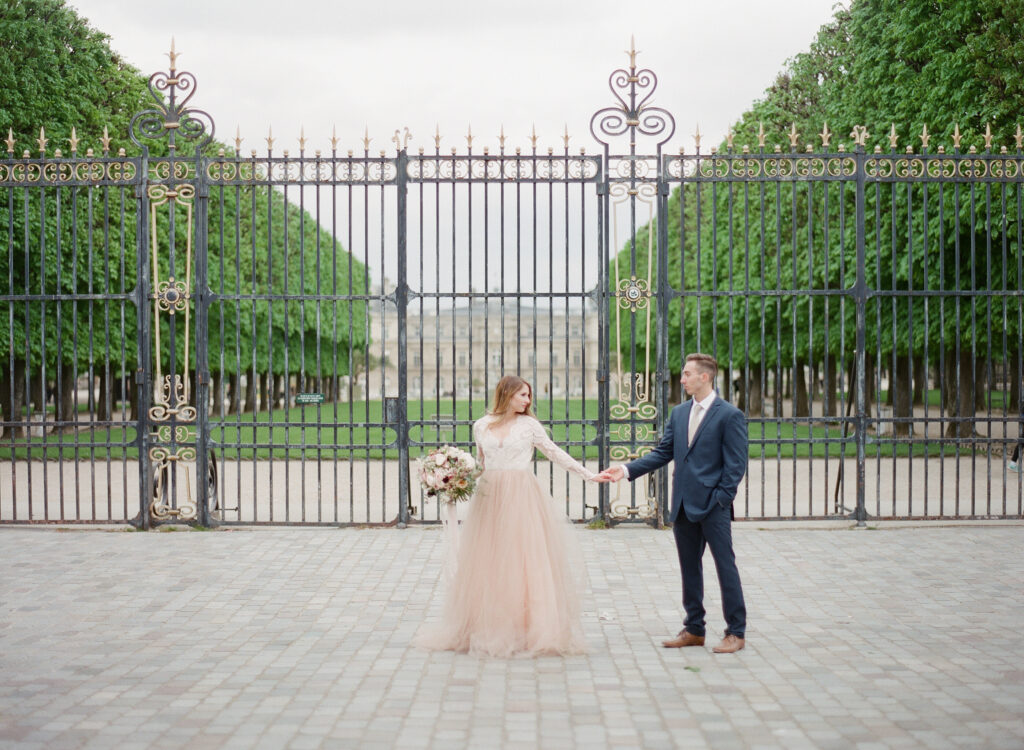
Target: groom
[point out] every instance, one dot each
(707, 438)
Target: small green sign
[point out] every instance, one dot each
(309, 398)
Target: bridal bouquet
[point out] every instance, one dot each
(449, 473)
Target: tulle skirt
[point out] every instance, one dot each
(519, 577)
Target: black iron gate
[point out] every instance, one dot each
(275, 337)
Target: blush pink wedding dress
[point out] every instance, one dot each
(519, 576)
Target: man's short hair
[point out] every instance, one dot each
(705, 363)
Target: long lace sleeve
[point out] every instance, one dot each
(479, 445)
(546, 445)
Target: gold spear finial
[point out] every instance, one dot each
(760, 134)
(73, 140)
(334, 138)
(988, 136)
(565, 136)
(729, 138)
(302, 138)
(270, 138)
(437, 136)
(924, 136)
(860, 134)
(105, 140)
(825, 135)
(173, 57)
(238, 139)
(469, 136)
(633, 51)
(366, 138)
(956, 135)
(501, 137)
(893, 138)
(533, 136)
(42, 141)
(401, 142)
(793, 136)
(696, 137)
(1019, 137)
(10, 141)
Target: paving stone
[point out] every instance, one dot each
(300, 638)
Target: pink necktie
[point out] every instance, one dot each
(694, 421)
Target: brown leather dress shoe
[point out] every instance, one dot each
(685, 638)
(729, 645)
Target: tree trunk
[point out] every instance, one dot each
(675, 391)
(278, 390)
(12, 398)
(801, 407)
(133, 397)
(264, 390)
(103, 402)
(813, 386)
(902, 396)
(869, 382)
(216, 392)
(250, 390)
(777, 392)
(1014, 370)
(234, 400)
(959, 392)
(751, 394)
(920, 379)
(66, 396)
(981, 385)
(38, 391)
(830, 387)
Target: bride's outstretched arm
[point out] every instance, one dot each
(547, 446)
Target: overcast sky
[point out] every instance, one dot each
(382, 66)
(409, 63)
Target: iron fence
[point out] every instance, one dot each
(274, 338)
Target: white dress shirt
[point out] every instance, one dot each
(704, 404)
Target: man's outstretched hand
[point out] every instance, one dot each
(611, 474)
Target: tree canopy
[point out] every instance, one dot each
(79, 240)
(957, 64)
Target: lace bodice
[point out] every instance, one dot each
(516, 450)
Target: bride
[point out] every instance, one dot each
(516, 589)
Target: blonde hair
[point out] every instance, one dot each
(506, 388)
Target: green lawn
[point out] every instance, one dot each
(350, 431)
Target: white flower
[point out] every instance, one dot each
(440, 458)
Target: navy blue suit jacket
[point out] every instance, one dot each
(709, 470)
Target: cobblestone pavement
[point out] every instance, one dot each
(900, 637)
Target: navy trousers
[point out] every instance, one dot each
(714, 531)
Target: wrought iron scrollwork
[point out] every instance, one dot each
(632, 90)
(172, 402)
(171, 118)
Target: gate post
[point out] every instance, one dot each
(202, 298)
(663, 294)
(860, 293)
(603, 336)
(401, 305)
(144, 369)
